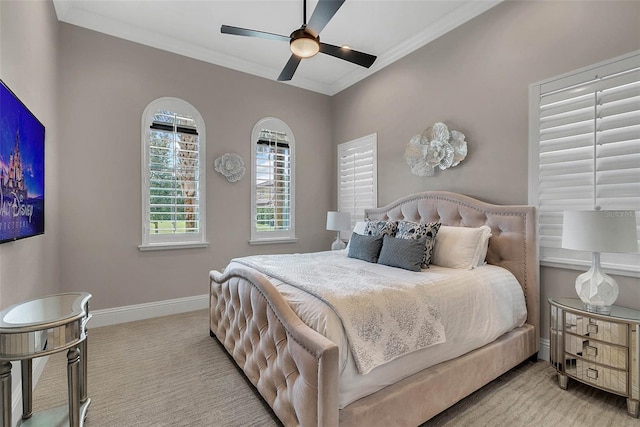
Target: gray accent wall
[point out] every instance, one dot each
(28, 66)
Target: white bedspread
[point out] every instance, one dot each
(477, 306)
(383, 317)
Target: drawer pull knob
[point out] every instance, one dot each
(592, 328)
(592, 374)
(589, 350)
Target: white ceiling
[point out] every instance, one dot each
(389, 29)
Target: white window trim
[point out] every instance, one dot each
(558, 257)
(365, 141)
(272, 237)
(152, 242)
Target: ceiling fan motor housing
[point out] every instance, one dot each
(303, 43)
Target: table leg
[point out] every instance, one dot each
(563, 381)
(27, 388)
(633, 407)
(5, 390)
(73, 374)
(83, 370)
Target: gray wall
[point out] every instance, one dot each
(106, 83)
(28, 66)
(476, 79)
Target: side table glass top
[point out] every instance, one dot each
(43, 325)
(616, 310)
(42, 310)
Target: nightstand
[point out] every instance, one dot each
(40, 327)
(595, 349)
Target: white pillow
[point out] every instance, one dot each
(358, 229)
(461, 247)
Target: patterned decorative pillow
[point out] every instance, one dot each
(377, 228)
(414, 230)
(402, 253)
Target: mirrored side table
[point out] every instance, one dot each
(600, 350)
(40, 327)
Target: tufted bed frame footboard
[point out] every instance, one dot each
(295, 368)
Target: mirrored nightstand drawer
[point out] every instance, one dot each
(597, 351)
(598, 375)
(615, 333)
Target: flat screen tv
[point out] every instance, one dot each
(21, 169)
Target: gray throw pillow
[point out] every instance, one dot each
(402, 253)
(366, 248)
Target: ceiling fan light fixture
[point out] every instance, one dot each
(303, 44)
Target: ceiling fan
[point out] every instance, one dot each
(305, 41)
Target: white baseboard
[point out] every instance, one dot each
(543, 353)
(129, 313)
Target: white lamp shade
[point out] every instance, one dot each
(338, 221)
(600, 231)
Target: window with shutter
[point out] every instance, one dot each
(272, 204)
(172, 176)
(357, 177)
(585, 153)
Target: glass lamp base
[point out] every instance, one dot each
(338, 244)
(599, 309)
(597, 290)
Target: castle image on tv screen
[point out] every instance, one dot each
(21, 169)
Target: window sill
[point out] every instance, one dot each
(571, 264)
(273, 241)
(168, 246)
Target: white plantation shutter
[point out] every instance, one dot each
(273, 181)
(357, 177)
(173, 175)
(272, 187)
(586, 143)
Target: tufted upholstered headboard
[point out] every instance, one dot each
(513, 227)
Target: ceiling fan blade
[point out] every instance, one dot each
(289, 69)
(322, 14)
(360, 58)
(237, 31)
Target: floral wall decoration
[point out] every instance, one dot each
(231, 166)
(435, 148)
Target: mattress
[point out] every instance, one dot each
(477, 306)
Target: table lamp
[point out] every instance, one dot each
(599, 231)
(338, 221)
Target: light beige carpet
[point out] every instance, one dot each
(168, 372)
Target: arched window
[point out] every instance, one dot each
(173, 176)
(272, 185)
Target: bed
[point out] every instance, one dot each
(299, 372)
